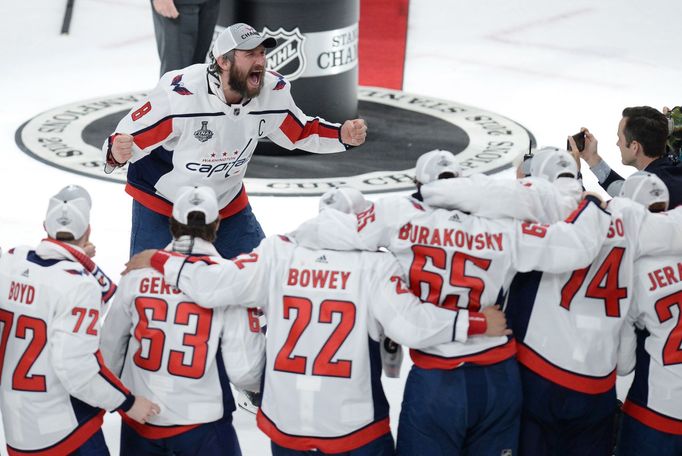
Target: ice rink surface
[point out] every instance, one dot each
(552, 66)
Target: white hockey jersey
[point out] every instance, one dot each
(579, 348)
(168, 349)
(326, 311)
(531, 199)
(54, 384)
(587, 307)
(460, 261)
(655, 397)
(185, 134)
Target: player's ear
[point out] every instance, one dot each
(85, 238)
(223, 63)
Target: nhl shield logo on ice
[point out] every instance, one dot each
(287, 58)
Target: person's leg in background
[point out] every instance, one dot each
(238, 234)
(176, 39)
(149, 230)
(208, 17)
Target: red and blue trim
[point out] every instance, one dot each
(340, 444)
(486, 357)
(587, 384)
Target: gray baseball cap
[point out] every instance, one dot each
(69, 212)
(344, 199)
(646, 189)
(551, 163)
(195, 199)
(434, 163)
(240, 36)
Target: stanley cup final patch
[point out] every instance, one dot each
(203, 134)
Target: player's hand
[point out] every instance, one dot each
(496, 322)
(139, 261)
(589, 153)
(122, 148)
(143, 409)
(166, 8)
(354, 132)
(602, 203)
(90, 249)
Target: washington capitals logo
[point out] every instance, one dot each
(179, 87)
(203, 134)
(281, 82)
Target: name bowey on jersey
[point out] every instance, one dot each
(185, 134)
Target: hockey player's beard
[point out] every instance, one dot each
(239, 81)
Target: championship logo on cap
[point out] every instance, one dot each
(645, 188)
(195, 199)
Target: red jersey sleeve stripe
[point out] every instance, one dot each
(109, 376)
(295, 131)
(154, 135)
(574, 215)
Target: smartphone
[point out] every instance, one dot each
(579, 139)
(525, 166)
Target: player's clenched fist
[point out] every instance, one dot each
(122, 148)
(496, 322)
(354, 132)
(143, 409)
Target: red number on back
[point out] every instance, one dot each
(323, 364)
(604, 285)
(155, 336)
(672, 350)
(198, 341)
(6, 318)
(458, 276)
(284, 361)
(21, 380)
(419, 276)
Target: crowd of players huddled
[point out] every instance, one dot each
(521, 301)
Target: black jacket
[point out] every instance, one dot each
(667, 170)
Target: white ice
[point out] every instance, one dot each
(553, 66)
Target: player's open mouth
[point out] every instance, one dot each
(254, 77)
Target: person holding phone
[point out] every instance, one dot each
(642, 135)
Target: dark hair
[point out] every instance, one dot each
(64, 236)
(196, 227)
(658, 207)
(214, 67)
(647, 126)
